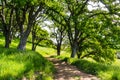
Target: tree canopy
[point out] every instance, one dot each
(92, 26)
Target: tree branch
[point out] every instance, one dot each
(87, 55)
(81, 9)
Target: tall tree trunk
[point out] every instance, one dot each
(31, 20)
(6, 26)
(24, 35)
(6, 33)
(74, 51)
(34, 44)
(33, 39)
(22, 43)
(33, 47)
(74, 48)
(23, 38)
(58, 49)
(7, 40)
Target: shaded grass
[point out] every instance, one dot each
(16, 64)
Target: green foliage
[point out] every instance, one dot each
(16, 64)
(22, 3)
(104, 71)
(93, 31)
(38, 35)
(89, 67)
(47, 43)
(99, 40)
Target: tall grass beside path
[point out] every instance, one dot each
(31, 65)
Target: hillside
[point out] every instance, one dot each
(18, 65)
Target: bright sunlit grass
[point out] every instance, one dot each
(45, 51)
(16, 64)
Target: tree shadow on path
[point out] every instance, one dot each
(65, 71)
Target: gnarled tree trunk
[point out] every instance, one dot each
(31, 20)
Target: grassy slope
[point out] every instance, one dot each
(16, 64)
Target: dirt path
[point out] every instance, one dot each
(69, 72)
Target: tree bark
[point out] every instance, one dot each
(6, 32)
(33, 47)
(31, 19)
(24, 35)
(33, 41)
(22, 43)
(6, 25)
(74, 49)
(23, 38)
(58, 49)
(7, 40)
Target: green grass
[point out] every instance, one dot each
(45, 51)
(16, 64)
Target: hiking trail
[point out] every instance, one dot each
(65, 71)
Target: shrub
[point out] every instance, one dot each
(87, 66)
(102, 70)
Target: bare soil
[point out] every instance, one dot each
(65, 71)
